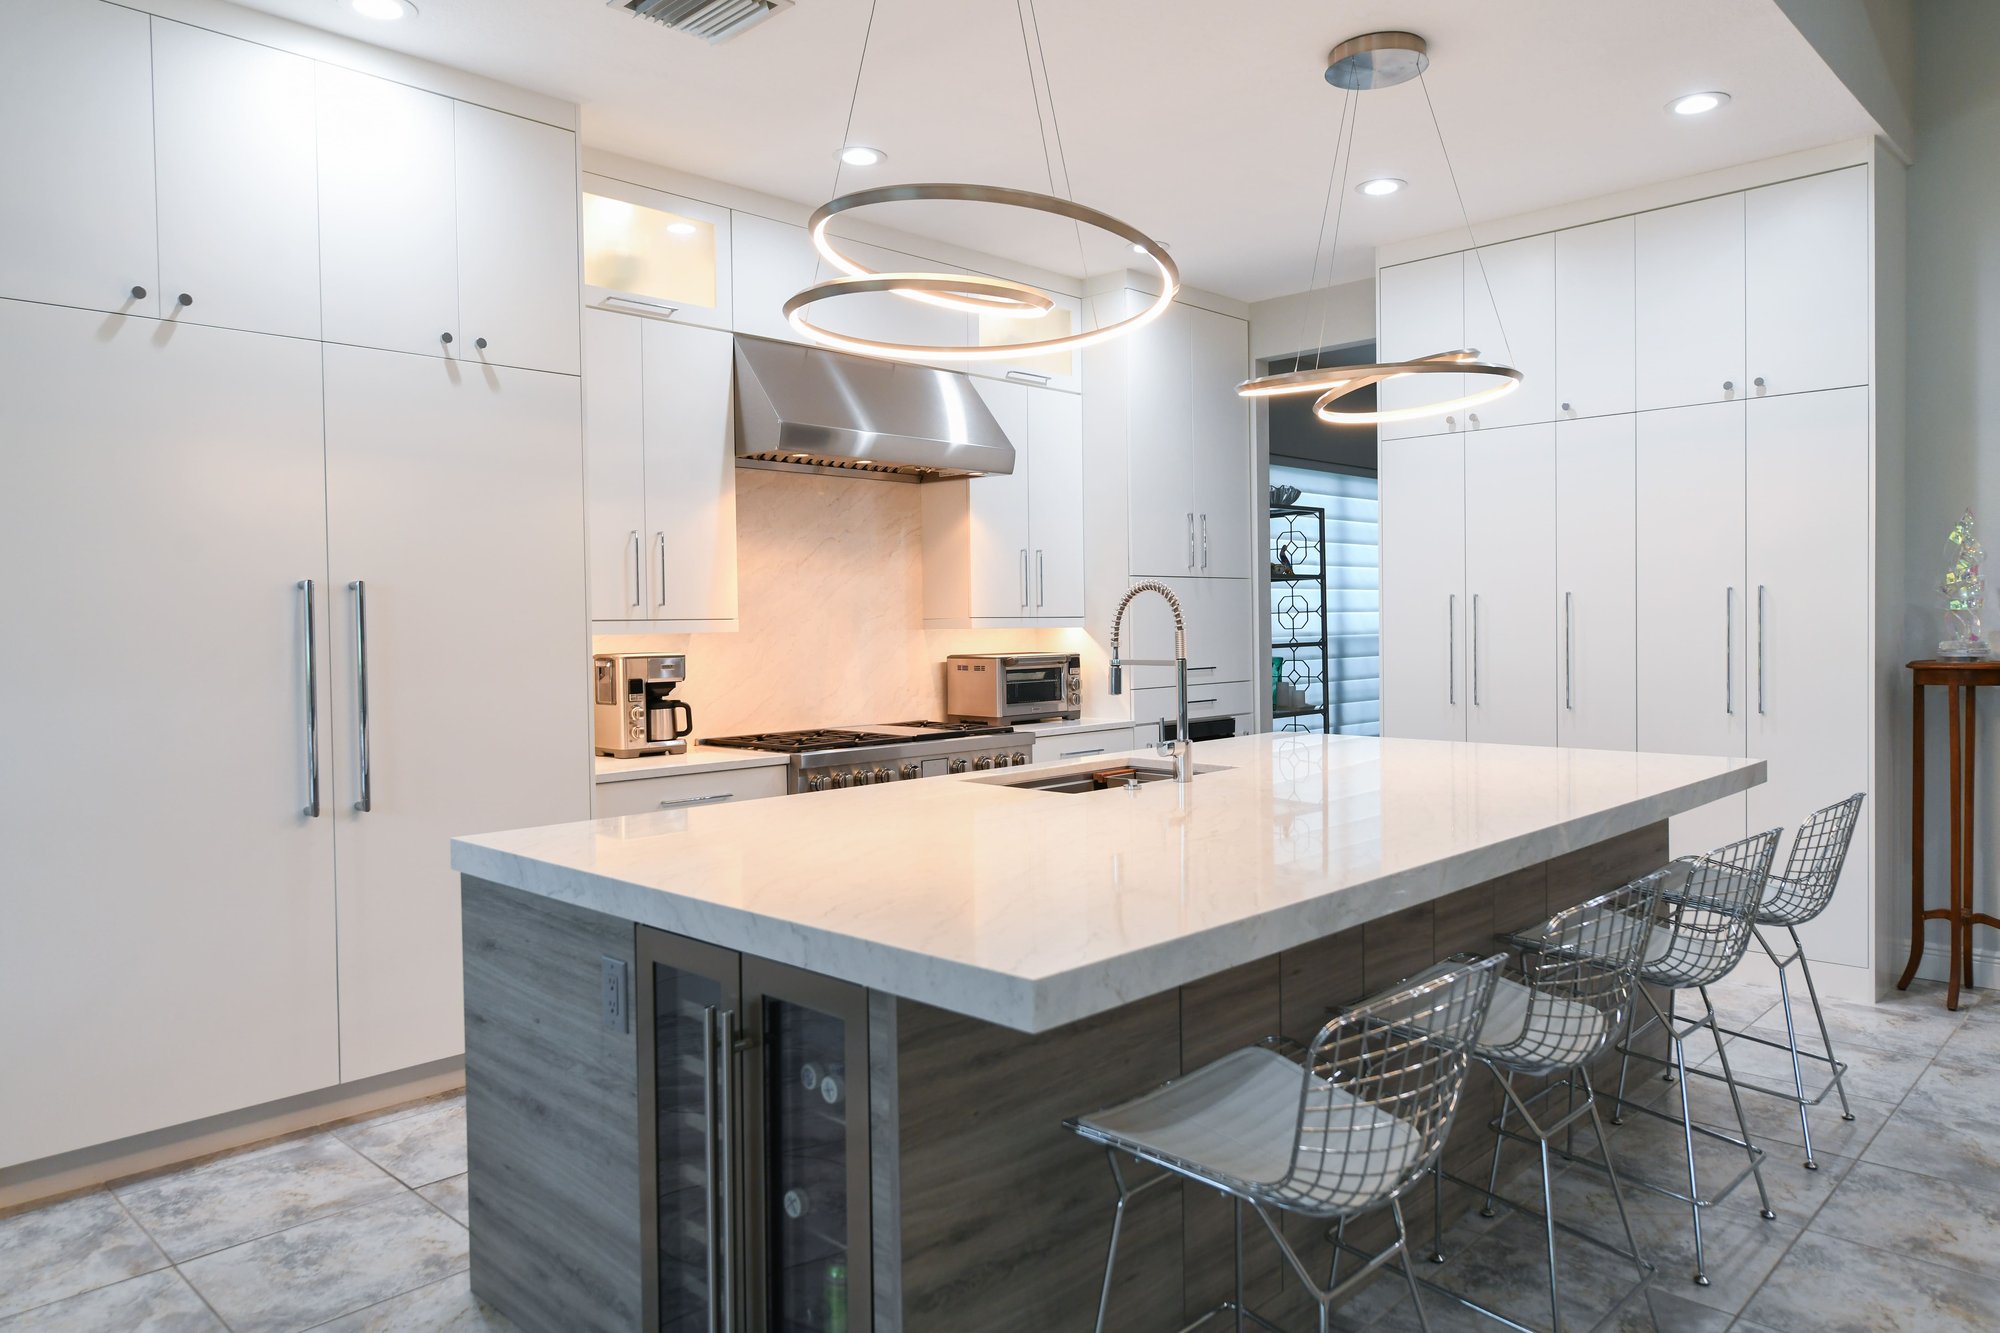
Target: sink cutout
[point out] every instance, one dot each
(1076, 781)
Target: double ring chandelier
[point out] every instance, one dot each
(968, 292)
(1358, 65)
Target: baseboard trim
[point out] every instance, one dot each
(49, 1178)
(1936, 966)
(1835, 981)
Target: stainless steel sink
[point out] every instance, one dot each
(1075, 781)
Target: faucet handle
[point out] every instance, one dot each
(1163, 746)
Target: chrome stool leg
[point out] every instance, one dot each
(1798, 1074)
(1687, 1134)
(1125, 1196)
(1819, 1014)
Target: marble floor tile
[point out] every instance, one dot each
(1949, 1091)
(418, 1149)
(1975, 1043)
(249, 1194)
(1657, 1309)
(1835, 1286)
(399, 1113)
(156, 1302)
(1947, 1147)
(330, 1267)
(1884, 1076)
(69, 1247)
(1940, 1221)
(450, 1195)
(442, 1307)
(1774, 1120)
(1507, 1271)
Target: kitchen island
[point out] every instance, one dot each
(649, 1000)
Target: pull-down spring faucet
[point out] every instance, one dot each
(1180, 748)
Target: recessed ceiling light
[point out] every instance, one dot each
(680, 228)
(1696, 104)
(1382, 185)
(858, 155)
(386, 11)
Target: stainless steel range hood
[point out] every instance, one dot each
(811, 407)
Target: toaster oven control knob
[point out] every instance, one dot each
(984, 762)
(956, 766)
(1020, 758)
(912, 771)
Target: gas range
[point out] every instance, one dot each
(831, 758)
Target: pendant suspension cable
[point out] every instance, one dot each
(1319, 237)
(1339, 212)
(853, 97)
(1049, 87)
(1472, 239)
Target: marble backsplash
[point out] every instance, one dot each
(830, 581)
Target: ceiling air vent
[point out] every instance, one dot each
(712, 20)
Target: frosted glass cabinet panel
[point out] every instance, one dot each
(650, 253)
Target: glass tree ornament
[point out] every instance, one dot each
(1964, 589)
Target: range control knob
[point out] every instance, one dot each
(815, 784)
(885, 775)
(843, 779)
(1000, 761)
(912, 771)
(862, 777)
(1020, 758)
(984, 762)
(955, 766)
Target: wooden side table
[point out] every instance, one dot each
(1960, 680)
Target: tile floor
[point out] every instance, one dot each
(361, 1228)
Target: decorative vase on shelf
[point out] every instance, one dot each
(1964, 589)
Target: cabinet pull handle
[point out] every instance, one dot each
(1078, 754)
(1196, 701)
(1475, 650)
(445, 338)
(1729, 651)
(1760, 648)
(698, 800)
(1024, 576)
(1569, 656)
(365, 799)
(138, 293)
(651, 309)
(710, 1165)
(184, 299)
(480, 343)
(1027, 377)
(1204, 541)
(638, 570)
(1451, 648)
(1758, 382)
(1190, 519)
(1568, 408)
(661, 544)
(1729, 386)
(1041, 578)
(311, 810)
(725, 1115)
(1472, 418)
(1193, 669)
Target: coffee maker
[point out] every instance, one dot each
(633, 715)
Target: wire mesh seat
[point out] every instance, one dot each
(1707, 914)
(1341, 1127)
(1563, 1007)
(1802, 892)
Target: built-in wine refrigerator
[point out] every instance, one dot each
(753, 1085)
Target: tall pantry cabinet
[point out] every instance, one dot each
(306, 575)
(1714, 582)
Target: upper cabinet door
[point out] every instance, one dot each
(1055, 502)
(387, 238)
(517, 233)
(1690, 303)
(1595, 320)
(1510, 316)
(1219, 360)
(1510, 558)
(614, 465)
(771, 260)
(690, 472)
(1422, 312)
(239, 211)
(659, 255)
(1001, 560)
(1163, 538)
(77, 222)
(1807, 283)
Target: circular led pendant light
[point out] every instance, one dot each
(969, 293)
(1368, 63)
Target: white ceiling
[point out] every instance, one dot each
(1206, 125)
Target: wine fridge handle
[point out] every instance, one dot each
(726, 1185)
(708, 1113)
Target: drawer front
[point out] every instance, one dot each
(686, 791)
(1082, 745)
(1218, 699)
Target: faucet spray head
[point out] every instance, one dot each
(1117, 678)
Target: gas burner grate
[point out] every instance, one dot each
(792, 742)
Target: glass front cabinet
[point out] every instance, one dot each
(753, 1088)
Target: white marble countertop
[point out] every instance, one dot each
(1035, 909)
(698, 759)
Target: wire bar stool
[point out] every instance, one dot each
(1708, 907)
(1340, 1128)
(1812, 872)
(1567, 1003)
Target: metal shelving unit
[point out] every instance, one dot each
(1297, 543)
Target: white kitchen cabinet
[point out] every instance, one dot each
(1689, 281)
(647, 252)
(233, 130)
(1510, 316)
(169, 948)
(1008, 550)
(1807, 633)
(1218, 361)
(516, 188)
(1423, 582)
(1162, 532)
(769, 262)
(1595, 370)
(686, 791)
(1510, 553)
(455, 501)
(1057, 746)
(1691, 627)
(1595, 583)
(1155, 704)
(774, 260)
(660, 475)
(388, 234)
(1420, 312)
(77, 220)
(1806, 320)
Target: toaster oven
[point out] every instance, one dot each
(1013, 687)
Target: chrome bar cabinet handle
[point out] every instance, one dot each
(1041, 578)
(1760, 648)
(1204, 541)
(1024, 576)
(1475, 650)
(1569, 656)
(1729, 651)
(714, 1204)
(1078, 754)
(698, 800)
(311, 810)
(365, 800)
(1451, 648)
(638, 571)
(662, 535)
(1190, 519)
